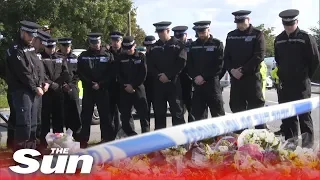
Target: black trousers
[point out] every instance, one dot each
(72, 110)
(25, 105)
(52, 114)
(168, 92)
(291, 92)
(149, 87)
(114, 92)
(207, 95)
(100, 98)
(38, 134)
(137, 100)
(246, 94)
(186, 85)
(11, 121)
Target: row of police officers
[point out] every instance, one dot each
(174, 70)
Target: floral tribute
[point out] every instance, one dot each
(254, 154)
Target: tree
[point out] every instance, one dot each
(316, 35)
(269, 39)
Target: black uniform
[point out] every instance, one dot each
(95, 67)
(206, 59)
(168, 58)
(148, 83)
(71, 91)
(23, 79)
(131, 69)
(43, 36)
(114, 93)
(245, 49)
(185, 79)
(53, 101)
(297, 59)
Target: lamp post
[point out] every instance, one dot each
(129, 23)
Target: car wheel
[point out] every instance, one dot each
(95, 117)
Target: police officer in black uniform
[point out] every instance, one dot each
(167, 59)
(297, 58)
(24, 86)
(205, 60)
(71, 90)
(52, 101)
(115, 49)
(148, 83)
(94, 71)
(244, 52)
(180, 32)
(131, 73)
(38, 44)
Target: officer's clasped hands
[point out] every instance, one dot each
(199, 80)
(129, 88)
(45, 87)
(95, 86)
(236, 73)
(163, 78)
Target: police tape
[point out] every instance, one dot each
(195, 131)
(315, 84)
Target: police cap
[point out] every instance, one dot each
(94, 38)
(201, 25)
(43, 36)
(128, 42)
(30, 27)
(241, 16)
(65, 41)
(116, 35)
(161, 26)
(149, 40)
(50, 43)
(289, 16)
(179, 31)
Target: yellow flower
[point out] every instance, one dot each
(113, 170)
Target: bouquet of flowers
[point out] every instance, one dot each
(63, 140)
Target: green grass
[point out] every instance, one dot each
(3, 101)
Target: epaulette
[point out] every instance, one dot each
(304, 32)
(256, 29)
(215, 39)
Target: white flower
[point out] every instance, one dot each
(223, 148)
(269, 138)
(262, 135)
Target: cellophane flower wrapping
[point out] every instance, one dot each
(63, 140)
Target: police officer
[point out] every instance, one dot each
(167, 59)
(38, 44)
(244, 52)
(297, 59)
(94, 68)
(24, 86)
(148, 83)
(205, 61)
(71, 90)
(52, 101)
(180, 32)
(131, 73)
(116, 41)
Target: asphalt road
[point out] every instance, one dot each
(271, 99)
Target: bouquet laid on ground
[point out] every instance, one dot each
(63, 140)
(254, 154)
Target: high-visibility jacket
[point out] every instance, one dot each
(80, 89)
(274, 75)
(263, 72)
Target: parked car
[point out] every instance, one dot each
(269, 82)
(225, 81)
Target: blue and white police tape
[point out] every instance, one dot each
(195, 131)
(315, 84)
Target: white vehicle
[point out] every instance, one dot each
(269, 82)
(77, 52)
(225, 81)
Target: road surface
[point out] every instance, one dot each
(271, 99)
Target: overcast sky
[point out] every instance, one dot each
(186, 12)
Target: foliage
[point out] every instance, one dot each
(269, 39)
(73, 18)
